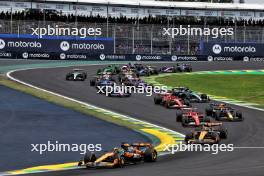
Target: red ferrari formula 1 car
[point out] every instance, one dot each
(191, 117)
(170, 101)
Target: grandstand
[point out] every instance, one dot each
(136, 26)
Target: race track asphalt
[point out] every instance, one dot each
(26, 120)
(241, 162)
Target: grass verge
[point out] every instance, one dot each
(246, 88)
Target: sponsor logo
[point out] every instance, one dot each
(187, 58)
(23, 44)
(217, 49)
(25, 55)
(62, 56)
(102, 56)
(257, 59)
(150, 57)
(138, 57)
(174, 58)
(246, 59)
(240, 49)
(2, 44)
(76, 56)
(65, 46)
(39, 55)
(115, 57)
(5, 54)
(87, 46)
(210, 58)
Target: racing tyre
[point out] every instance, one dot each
(150, 155)
(89, 157)
(99, 71)
(209, 111)
(187, 102)
(204, 97)
(217, 115)
(157, 99)
(92, 82)
(223, 133)
(178, 115)
(121, 162)
(188, 137)
(239, 116)
(185, 121)
(216, 137)
(69, 78)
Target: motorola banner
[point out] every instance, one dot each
(57, 45)
(232, 49)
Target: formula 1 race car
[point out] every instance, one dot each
(193, 97)
(183, 67)
(143, 72)
(104, 77)
(110, 69)
(170, 101)
(127, 76)
(166, 69)
(76, 75)
(137, 152)
(221, 111)
(211, 133)
(191, 117)
(119, 157)
(152, 70)
(112, 159)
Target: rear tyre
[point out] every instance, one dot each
(150, 155)
(187, 102)
(188, 137)
(185, 121)
(92, 82)
(204, 97)
(223, 133)
(157, 99)
(239, 116)
(178, 115)
(89, 157)
(217, 115)
(209, 111)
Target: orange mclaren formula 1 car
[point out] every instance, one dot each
(118, 157)
(210, 133)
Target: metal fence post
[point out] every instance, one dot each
(114, 35)
(151, 40)
(133, 40)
